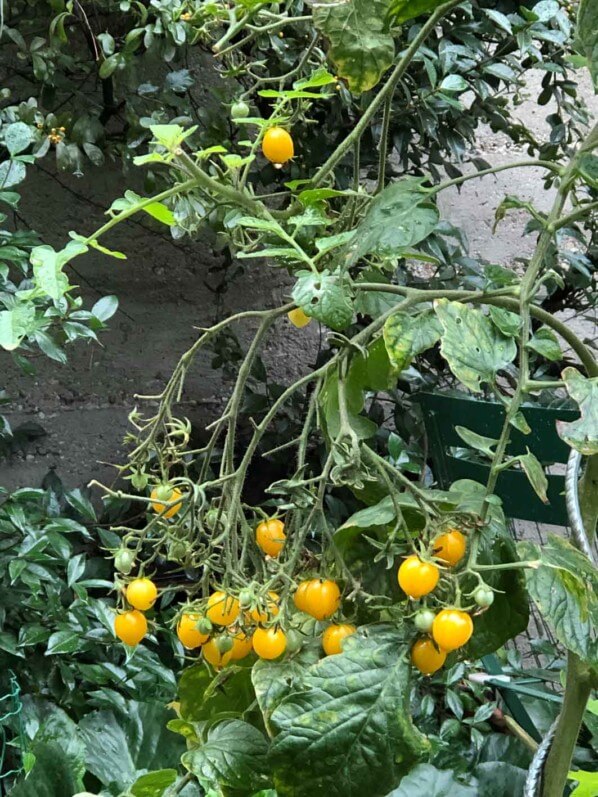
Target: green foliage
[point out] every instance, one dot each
(583, 433)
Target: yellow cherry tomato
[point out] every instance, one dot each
(187, 631)
(300, 594)
(130, 627)
(426, 656)
(222, 609)
(141, 593)
(164, 494)
(242, 646)
(270, 611)
(211, 653)
(270, 536)
(334, 636)
(450, 547)
(277, 145)
(417, 578)
(322, 598)
(269, 643)
(451, 629)
(298, 318)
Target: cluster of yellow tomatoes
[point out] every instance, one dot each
(450, 628)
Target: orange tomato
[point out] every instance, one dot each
(211, 653)
(298, 318)
(270, 611)
(164, 494)
(334, 636)
(187, 631)
(141, 593)
(277, 145)
(452, 628)
(270, 536)
(242, 645)
(322, 598)
(222, 609)
(130, 627)
(426, 656)
(417, 578)
(269, 643)
(300, 594)
(450, 547)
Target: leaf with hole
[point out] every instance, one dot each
(582, 434)
(324, 296)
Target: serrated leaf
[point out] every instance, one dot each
(406, 336)
(586, 36)
(546, 343)
(324, 296)
(347, 728)
(564, 588)
(474, 349)
(401, 216)
(234, 755)
(582, 434)
(477, 441)
(361, 46)
(319, 77)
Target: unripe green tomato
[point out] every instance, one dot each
(239, 110)
(483, 596)
(294, 640)
(423, 620)
(245, 598)
(204, 626)
(224, 644)
(124, 561)
(177, 551)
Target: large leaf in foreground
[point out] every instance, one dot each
(347, 729)
(431, 782)
(361, 47)
(51, 776)
(587, 35)
(408, 335)
(474, 349)
(564, 587)
(582, 434)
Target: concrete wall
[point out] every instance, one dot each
(163, 295)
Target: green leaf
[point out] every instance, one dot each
(408, 335)
(582, 434)
(535, 474)
(380, 514)
(11, 173)
(105, 308)
(401, 216)
(16, 324)
(546, 343)
(587, 783)
(586, 35)
(17, 137)
(507, 322)
(319, 77)
(63, 642)
(204, 696)
(347, 728)
(474, 349)
(564, 588)
(403, 10)
(426, 780)
(477, 441)
(273, 680)
(324, 296)
(51, 776)
(234, 755)
(171, 136)
(154, 783)
(588, 168)
(454, 83)
(361, 47)
(48, 267)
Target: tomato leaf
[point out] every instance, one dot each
(403, 10)
(582, 435)
(361, 47)
(407, 335)
(426, 779)
(324, 296)
(15, 324)
(535, 474)
(564, 587)
(546, 343)
(154, 783)
(474, 349)
(347, 728)
(587, 36)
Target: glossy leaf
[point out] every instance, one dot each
(51, 775)
(403, 10)
(406, 336)
(582, 434)
(153, 784)
(15, 324)
(17, 137)
(564, 587)
(426, 780)
(477, 441)
(587, 35)
(361, 48)
(474, 349)
(324, 296)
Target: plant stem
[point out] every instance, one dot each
(577, 691)
(386, 91)
(588, 497)
(581, 211)
(383, 146)
(554, 167)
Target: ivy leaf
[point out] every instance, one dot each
(582, 434)
(324, 296)
(546, 343)
(474, 349)
(408, 335)
(348, 729)
(586, 34)
(234, 756)
(399, 217)
(535, 474)
(15, 324)
(564, 587)
(17, 137)
(361, 46)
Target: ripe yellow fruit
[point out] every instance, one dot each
(450, 547)
(211, 653)
(269, 643)
(242, 646)
(277, 145)
(223, 609)
(334, 636)
(426, 656)
(298, 318)
(187, 631)
(141, 593)
(130, 627)
(164, 494)
(270, 536)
